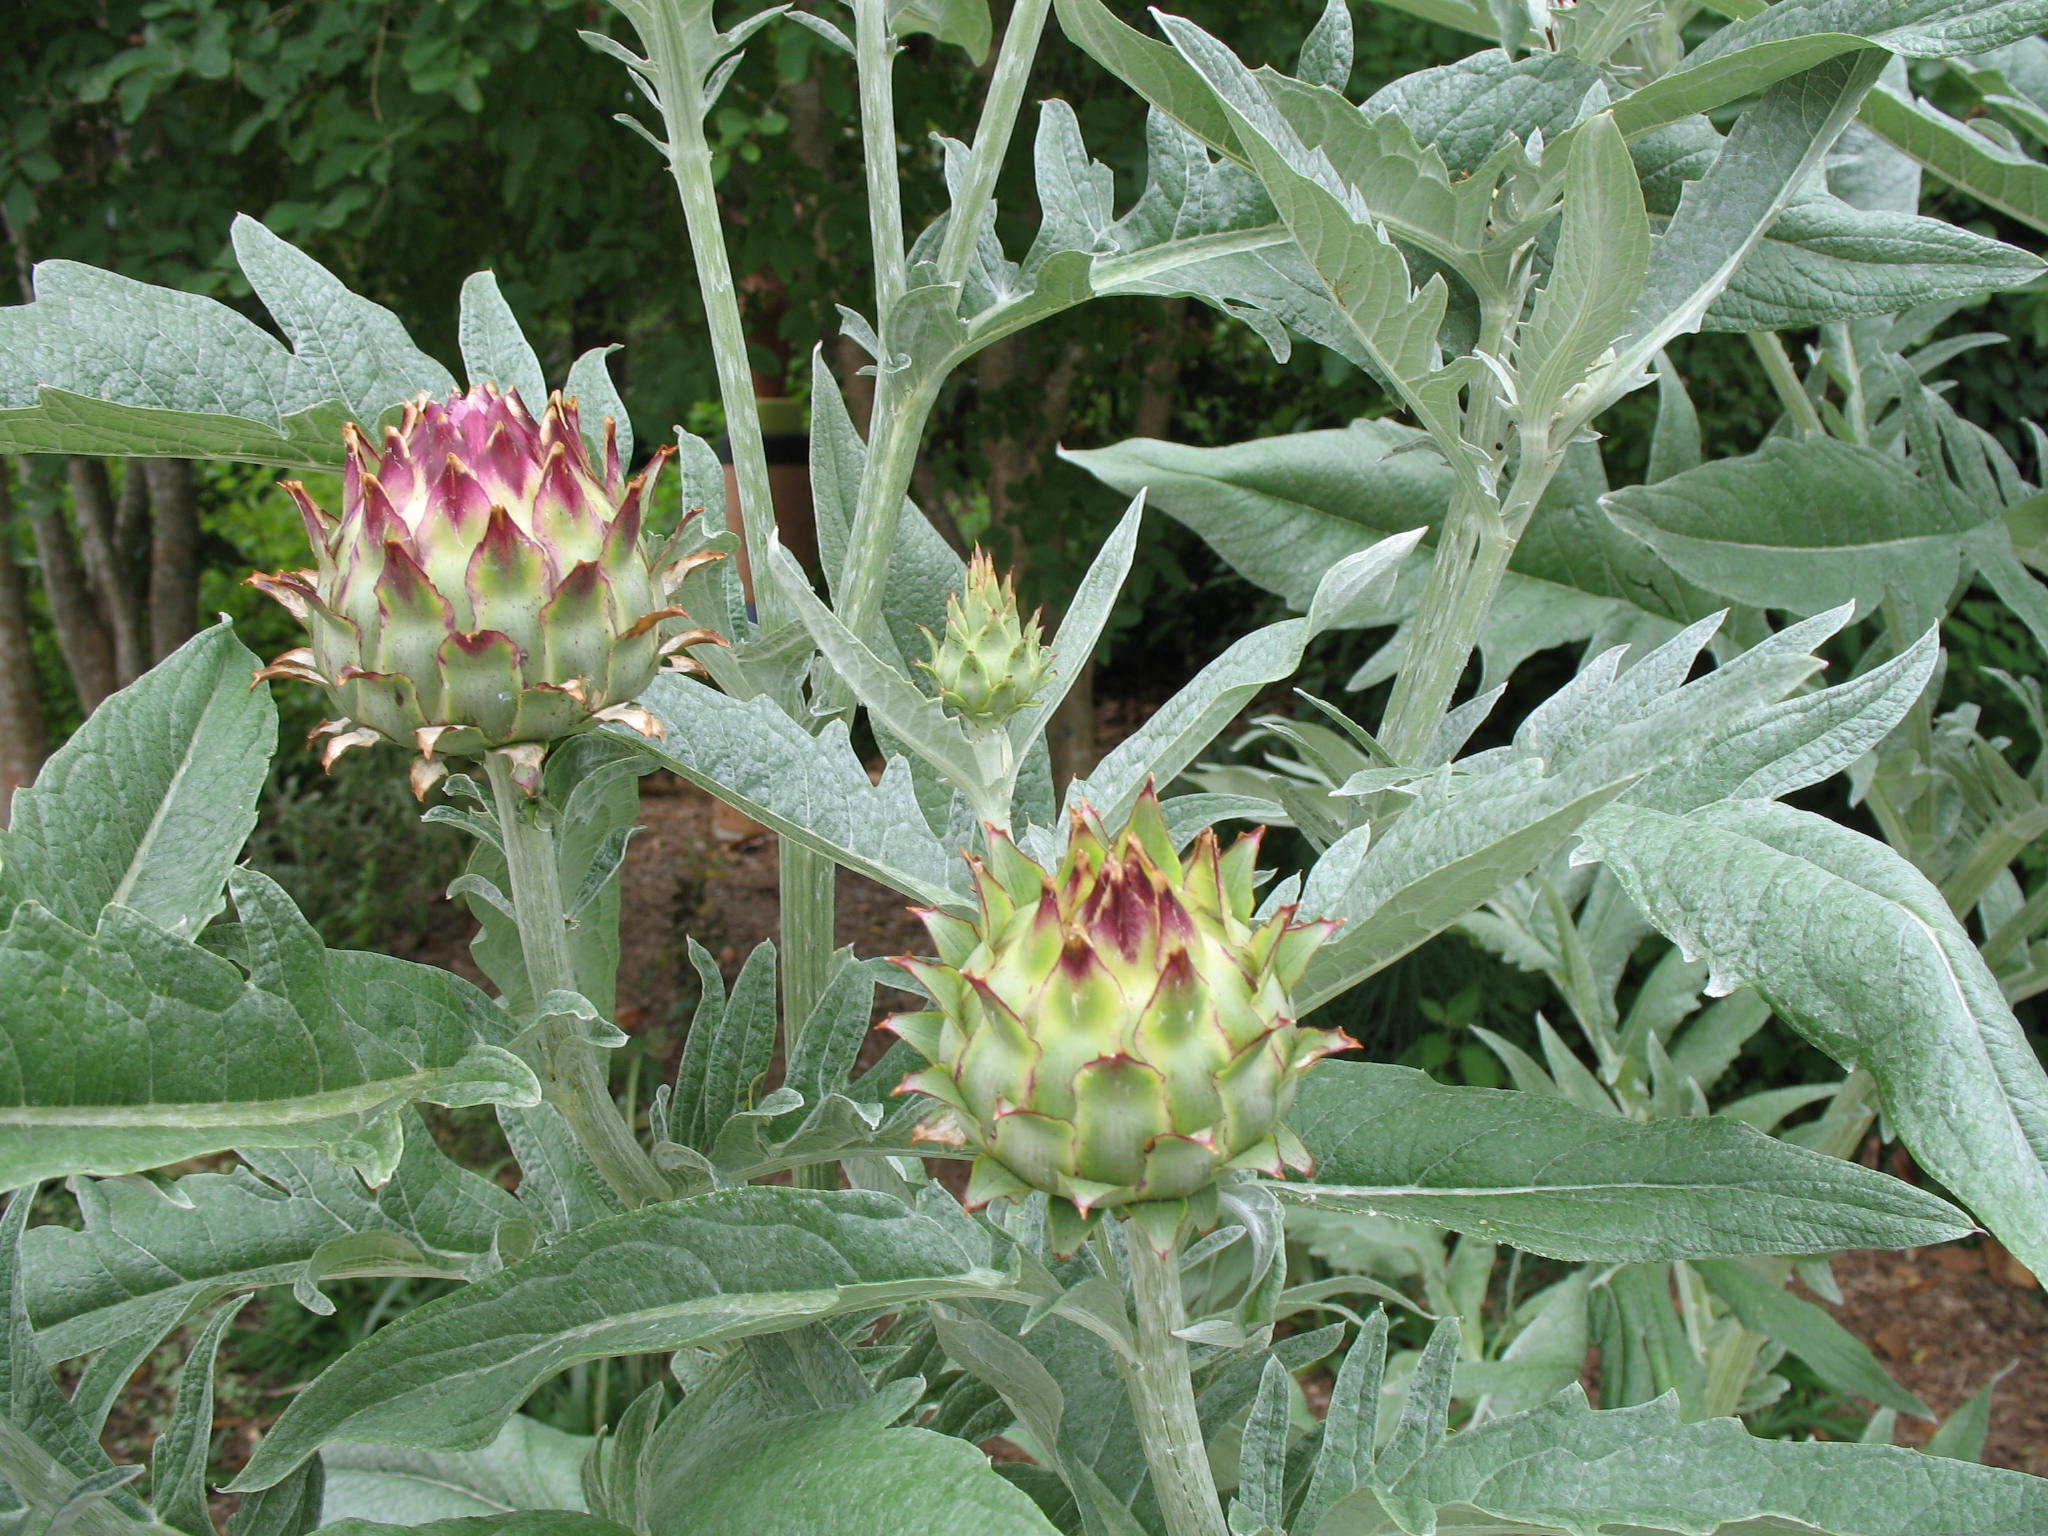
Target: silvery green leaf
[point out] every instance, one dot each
(811, 1471)
(1542, 1359)
(1764, 163)
(145, 1256)
(1261, 1499)
(1326, 51)
(923, 569)
(1786, 38)
(590, 383)
(1154, 70)
(310, 1048)
(1012, 1367)
(560, 1189)
(495, 350)
(1825, 259)
(1181, 728)
(447, 1375)
(1283, 510)
(1963, 1433)
(1992, 171)
(1835, 1354)
(1549, 1177)
(753, 756)
(1073, 647)
(1451, 850)
(1464, 110)
(1796, 742)
(343, 346)
(1353, 592)
(527, 1522)
(528, 1466)
(102, 364)
(1350, 1427)
(1383, 321)
(963, 23)
(45, 1446)
(1603, 258)
(728, 1049)
(177, 1461)
(292, 1508)
(148, 804)
(915, 719)
(1890, 983)
(1808, 525)
(1676, 446)
(1569, 1470)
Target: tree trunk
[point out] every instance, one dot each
(99, 541)
(131, 553)
(24, 742)
(173, 555)
(82, 634)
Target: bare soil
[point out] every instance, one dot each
(1944, 1321)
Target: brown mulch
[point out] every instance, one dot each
(1944, 1321)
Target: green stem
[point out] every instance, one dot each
(899, 422)
(689, 163)
(1472, 555)
(1163, 1395)
(572, 1076)
(806, 880)
(1855, 407)
(875, 58)
(1785, 380)
(992, 136)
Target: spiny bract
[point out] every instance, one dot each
(990, 661)
(1118, 1033)
(483, 588)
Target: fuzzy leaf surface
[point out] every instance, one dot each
(144, 1257)
(1569, 1469)
(131, 1048)
(149, 802)
(724, 1265)
(1544, 1175)
(1859, 953)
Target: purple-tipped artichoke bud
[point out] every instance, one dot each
(486, 586)
(991, 660)
(1119, 1032)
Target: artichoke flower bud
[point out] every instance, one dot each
(1118, 1033)
(990, 661)
(484, 588)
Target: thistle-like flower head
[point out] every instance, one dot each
(991, 660)
(485, 586)
(1119, 1031)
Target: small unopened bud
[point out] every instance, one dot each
(990, 662)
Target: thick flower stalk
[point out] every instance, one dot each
(1117, 1033)
(484, 588)
(991, 660)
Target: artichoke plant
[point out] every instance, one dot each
(1117, 1033)
(484, 587)
(990, 660)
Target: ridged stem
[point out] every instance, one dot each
(874, 52)
(571, 1068)
(689, 163)
(992, 135)
(806, 880)
(1162, 1395)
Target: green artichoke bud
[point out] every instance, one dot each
(990, 660)
(1118, 1033)
(483, 589)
